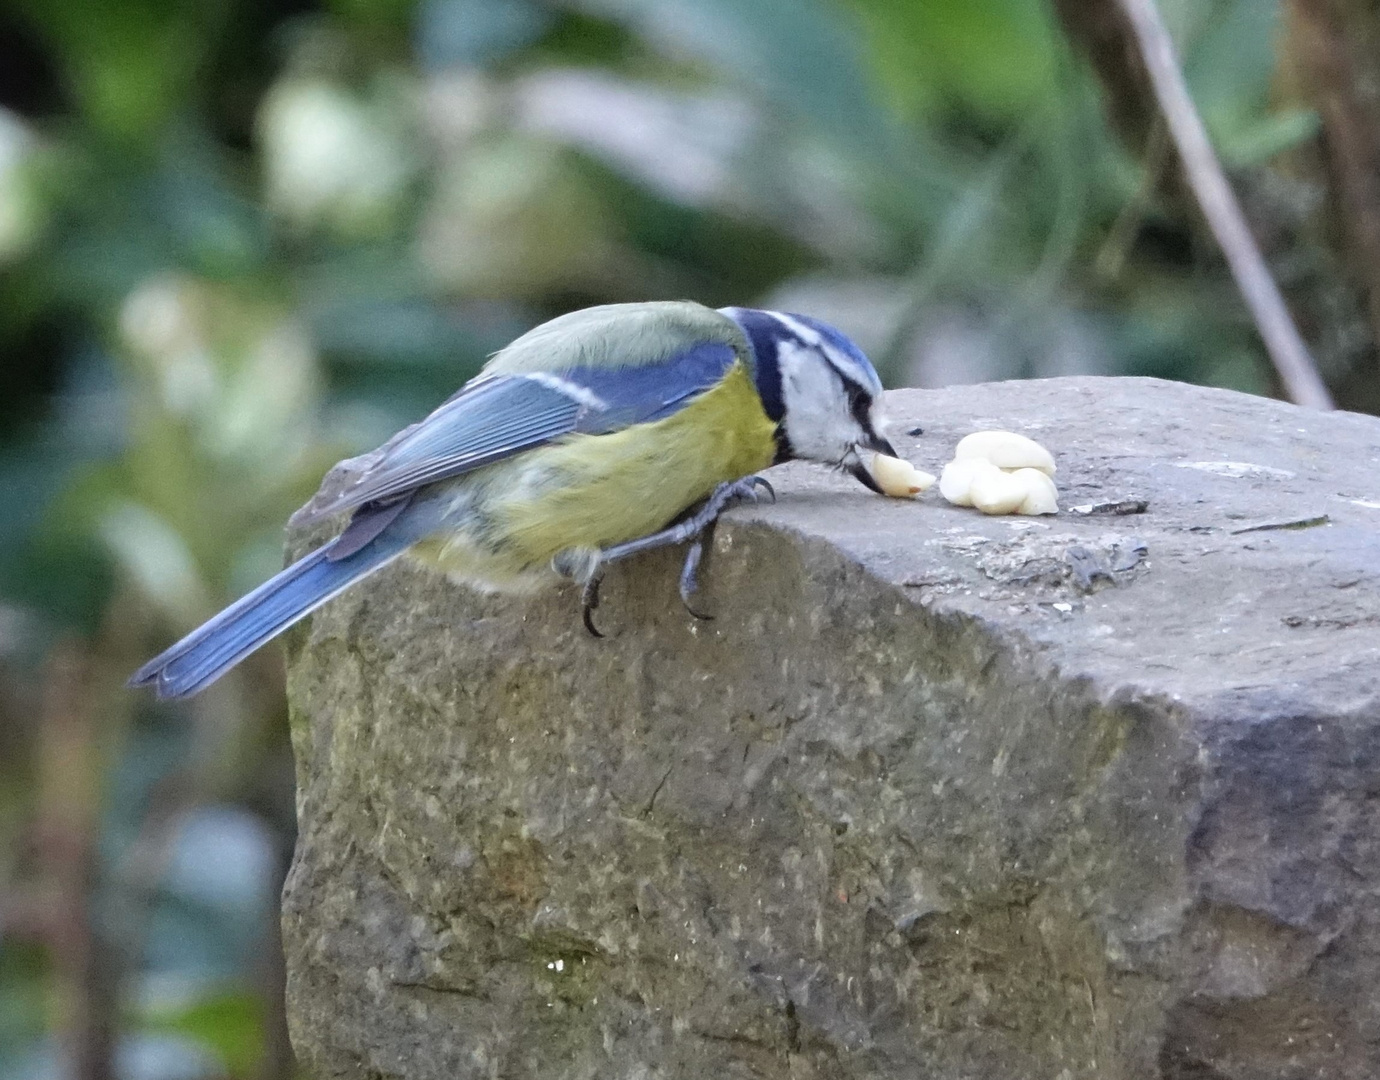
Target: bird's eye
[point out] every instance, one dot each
(860, 405)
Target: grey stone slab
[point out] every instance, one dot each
(934, 795)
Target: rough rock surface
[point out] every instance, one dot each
(931, 797)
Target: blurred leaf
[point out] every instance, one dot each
(211, 909)
(1254, 143)
(128, 219)
(1237, 369)
(23, 995)
(465, 32)
(47, 560)
(230, 1023)
(404, 333)
(1228, 52)
(23, 205)
(1229, 57)
(130, 64)
(137, 1057)
(802, 55)
(151, 553)
(335, 158)
(202, 206)
(993, 58)
(223, 857)
(374, 15)
(516, 217)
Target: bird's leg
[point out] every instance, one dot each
(694, 526)
(724, 496)
(689, 573)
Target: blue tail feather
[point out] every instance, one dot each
(219, 644)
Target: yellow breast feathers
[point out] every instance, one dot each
(596, 490)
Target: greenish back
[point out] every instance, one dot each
(619, 335)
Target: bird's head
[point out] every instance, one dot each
(818, 386)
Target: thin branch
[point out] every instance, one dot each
(1287, 350)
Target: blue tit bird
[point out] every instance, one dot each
(595, 436)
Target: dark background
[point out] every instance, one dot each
(240, 239)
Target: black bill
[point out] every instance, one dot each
(855, 466)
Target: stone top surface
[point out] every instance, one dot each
(1259, 547)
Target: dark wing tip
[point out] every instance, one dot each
(164, 688)
(155, 675)
(144, 676)
(154, 678)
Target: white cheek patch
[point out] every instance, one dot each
(818, 423)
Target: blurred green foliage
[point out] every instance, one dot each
(239, 240)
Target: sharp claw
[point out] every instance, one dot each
(746, 488)
(689, 573)
(589, 600)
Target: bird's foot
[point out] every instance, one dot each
(697, 527)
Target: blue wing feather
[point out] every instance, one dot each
(497, 416)
(641, 395)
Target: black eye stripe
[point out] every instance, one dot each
(860, 405)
